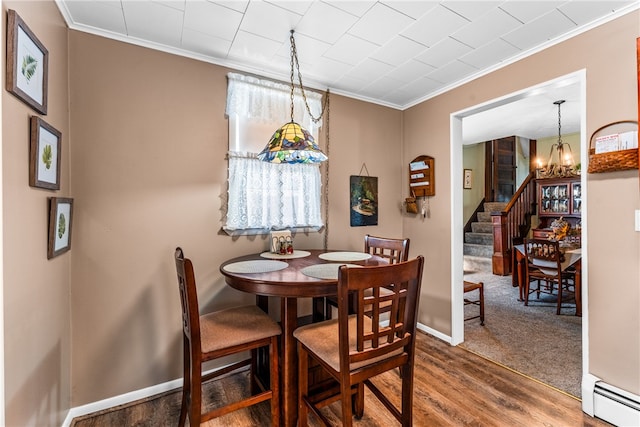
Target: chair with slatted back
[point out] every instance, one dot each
(218, 334)
(469, 287)
(394, 250)
(544, 268)
(354, 348)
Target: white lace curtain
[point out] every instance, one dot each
(270, 101)
(264, 196)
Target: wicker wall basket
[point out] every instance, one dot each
(614, 160)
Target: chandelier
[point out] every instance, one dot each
(560, 162)
(291, 143)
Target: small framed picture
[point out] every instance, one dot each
(27, 64)
(60, 222)
(44, 155)
(363, 200)
(468, 179)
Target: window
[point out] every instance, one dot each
(264, 196)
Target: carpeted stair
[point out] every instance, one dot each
(478, 244)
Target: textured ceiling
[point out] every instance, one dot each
(394, 53)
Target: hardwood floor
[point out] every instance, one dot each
(452, 387)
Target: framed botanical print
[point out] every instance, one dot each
(44, 155)
(27, 64)
(60, 222)
(468, 179)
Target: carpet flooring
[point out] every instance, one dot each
(532, 340)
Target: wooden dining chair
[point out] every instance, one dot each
(354, 348)
(217, 334)
(544, 268)
(393, 250)
(469, 287)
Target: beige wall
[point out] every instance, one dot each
(36, 290)
(148, 163)
(144, 148)
(613, 246)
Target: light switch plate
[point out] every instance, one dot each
(637, 219)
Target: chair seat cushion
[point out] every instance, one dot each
(322, 340)
(235, 326)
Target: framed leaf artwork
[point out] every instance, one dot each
(60, 222)
(44, 155)
(27, 64)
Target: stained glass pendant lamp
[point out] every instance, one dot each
(291, 143)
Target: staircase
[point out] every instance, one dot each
(478, 244)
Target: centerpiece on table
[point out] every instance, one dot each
(560, 230)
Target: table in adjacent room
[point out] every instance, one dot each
(573, 258)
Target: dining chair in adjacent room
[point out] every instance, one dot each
(468, 288)
(222, 333)
(393, 250)
(354, 348)
(544, 268)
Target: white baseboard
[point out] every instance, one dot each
(588, 385)
(610, 403)
(435, 333)
(122, 399)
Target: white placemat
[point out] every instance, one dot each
(255, 266)
(324, 271)
(295, 254)
(344, 256)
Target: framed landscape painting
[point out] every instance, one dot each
(27, 64)
(363, 200)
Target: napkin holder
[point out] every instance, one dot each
(278, 238)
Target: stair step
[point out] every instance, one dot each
(479, 238)
(482, 227)
(484, 217)
(494, 206)
(483, 251)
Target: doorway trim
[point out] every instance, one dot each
(457, 224)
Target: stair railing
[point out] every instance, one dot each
(512, 223)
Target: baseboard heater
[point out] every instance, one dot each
(614, 405)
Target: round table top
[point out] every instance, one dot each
(290, 281)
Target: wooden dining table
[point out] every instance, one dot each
(307, 274)
(573, 259)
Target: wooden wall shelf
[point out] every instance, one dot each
(422, 176)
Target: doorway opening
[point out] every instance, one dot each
(547, 91)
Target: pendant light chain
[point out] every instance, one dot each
(294, 57)
(293, 54)
(559, 122)
(326, 181)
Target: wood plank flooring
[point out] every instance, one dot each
(452, 387)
